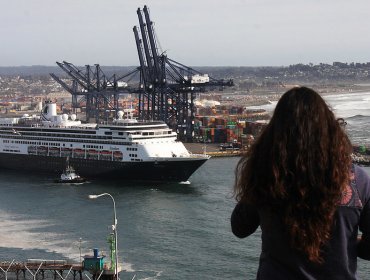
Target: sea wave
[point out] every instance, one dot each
(358, 117)
(21, 232)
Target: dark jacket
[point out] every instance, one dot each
(279, 261)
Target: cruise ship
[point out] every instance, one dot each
(123, 149)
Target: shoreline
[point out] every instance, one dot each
(264, 98)
(212, 149)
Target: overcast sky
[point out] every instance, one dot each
(193, 32)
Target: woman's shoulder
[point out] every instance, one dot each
(361, 176)
(362, 182)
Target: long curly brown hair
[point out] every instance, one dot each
(298, 168)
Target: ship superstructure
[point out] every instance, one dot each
(125, 148)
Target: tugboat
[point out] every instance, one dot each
(70, 176)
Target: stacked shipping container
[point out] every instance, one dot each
(217, 129)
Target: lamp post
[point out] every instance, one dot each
(80, 240)
(114, 227)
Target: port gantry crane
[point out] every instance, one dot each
(166, 88)
(92, 87)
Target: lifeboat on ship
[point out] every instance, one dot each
(78, 153)
(32, 150)
(92, 154)
(54, 151)
(105, 155)
(42, 150)
(117, 155)
(66, 152)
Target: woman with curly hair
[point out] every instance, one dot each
(299, 185)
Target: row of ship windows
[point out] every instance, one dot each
(67, 140)
(43, 135)
(79, 130)
(56, 135)
(33, 143)
(156, 133)
(58, 144)
(71, 140)
(83, 135)
(145, 138)
(93, 146)
(159, 125)
(142, 133)
(49, 144)
(133, 156)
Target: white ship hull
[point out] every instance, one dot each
(123, 150)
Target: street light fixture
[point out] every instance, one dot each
(114, 227)
(80, 240)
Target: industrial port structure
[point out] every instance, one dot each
(166, 89)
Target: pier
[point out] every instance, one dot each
(50, 269)
(211, 149)
(40, 269)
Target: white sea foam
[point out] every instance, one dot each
(156, 275)
(351, 105)
(126, 267)
(185, 183)
(18, 231)
(344, 105)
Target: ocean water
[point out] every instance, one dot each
(355, 109)
(165, 231)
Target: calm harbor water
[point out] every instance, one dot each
(165, 231)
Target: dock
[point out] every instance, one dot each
(360, 157)
(50, 269)
(211, 149)
(45, 269)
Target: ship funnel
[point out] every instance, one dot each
(49, 110)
